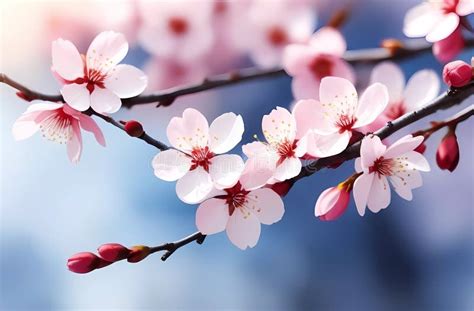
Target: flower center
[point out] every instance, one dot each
(201, 157)
(277, 36)
(382, 166)
(286, 150)
(57, 127)
(92, 78)
(236, 197)
(178, 25)
(321, 67)
(395, 110)
(345, 123)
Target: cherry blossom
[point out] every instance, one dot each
(58, 123)
(436, 19)
(319, 58)
(96, 80)
(197, 163)
(379, 164)
(240, 209)
(420, 89)
(328, 124)
(176, 29)
(282, 150)
(332, 203)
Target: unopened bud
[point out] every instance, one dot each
(138, 253)
(447, 155)
(332, 203)
(133, 128)
(457, 73)
(113, 252)
(85, 262)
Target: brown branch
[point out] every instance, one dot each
(170, 248)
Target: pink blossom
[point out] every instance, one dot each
(176, 29)
(332, 203)
(436, 19)
(58, 123)
(457, 73)
(420, 89)
(448, 48)
(240, 210)
(327, 125)
(321, 57)
(282, 150)
(197, 162)
(97, 80)
(378, 164)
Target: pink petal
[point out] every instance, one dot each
(307, 115)
(371, 105)
(296, 58)
(255, 148)
(337, 95)
(444, 27)
(77, 96)
(415, 161)
(243, 229)
(67, 61)
(190, 131)
(404, 182)
(106, 51)
(225, 132)
(421, 20)
(23, 129)
(279, 126)
(465, 7)
(266, 204)
(328, 40)
(289, 168)
(379, 196)
(305, 86)
(194, 187)
(74, 146)
(88, 124)
(447, 49)
(422, 87)
(171, 164)
(403, 145)
(40, 105)
(370, 150)
(126, 81)
(212, 216)
(361, 191)
(391, 75)
(105, 101)
(225, 170)
(257, 171)
(322, 146)
(358, 165)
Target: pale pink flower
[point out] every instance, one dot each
(448, 48)
(311, 62)
(436, 19)
(197, 163)
(176, 29)
(398, 163)
(328, 123)
(282, 150)
(272, 26)
(420, 89)
(240, 210)
(58, 123)
(96, 80)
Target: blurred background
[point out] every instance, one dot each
(415, 255)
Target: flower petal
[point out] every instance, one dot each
(405, 144)
(225, 132)
(308, 115)
(371, 149)
(361, 191)
(379, 196)
(88, 124)
(255, 148)
(372, 103)
(337, 95)
(212, 216)
(444, 27)
(171, 164)
(404, 182)
(305, 86)
(448, 48)
(23, 129)
(195, 186)
(266, 204)
(105, 101)
(74, 146)
(422, 87)
(296, 58)
(420, 20)
(289, 168)
(77, 96)
(389, 74)
(358, 165)
(126, 81)
(257, 171)
(243, 229)
(189, 132)
(415, 161)
(225, 170)
(328, 40)
(322, 146)
(465, 7)
(106, 51)
(67, 62)
(342, 69)
(279, 126)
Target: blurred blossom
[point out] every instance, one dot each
(448, 48)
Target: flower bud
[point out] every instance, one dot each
(332, 203)
(113, 252)
(133, 128)
(457, 73)
(83, 262)
(447, 155)
(138, 253)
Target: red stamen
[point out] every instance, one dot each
(321, 67)
(178, 25)
(382, 167)
(345, 123)
(201, 157)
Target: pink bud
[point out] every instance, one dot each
(447, 49)
(332, 203)
(83, 262)
(447, 155)
(138, 253)
(113, 252)
(133, 128)
(457, 73)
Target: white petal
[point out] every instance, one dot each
(296, 58)
(195, 186)
(225, 170)
(358, 165)
(390, 75)
(40, 105)
(309, 114)
(171, 164)
(279, 126)
(255, 148)
(126, 81)
(371, 149)
(361, 191)
(322, 146)
(379, 196)
(105, 101)
(465, 7)
(337, 95)
(225, 132)
(415, 161)
(420, 20)
(444, 27)
(24, 129)
(189, 132)
(422, 87)
(372, 103)
(67, 61)
(212, 216)
(74, 146)
(106, 51)
(243, 229)
(266, 204)
(403, 145)
(289, 168)
(257, 171)
(77, 96)
(404, 182)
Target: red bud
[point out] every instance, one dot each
(457, 73)
(83, 262)
(113, 252)
(447, 155)
(134, 128)
(138, 253)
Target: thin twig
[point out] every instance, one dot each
(170, 248)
